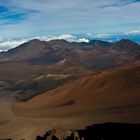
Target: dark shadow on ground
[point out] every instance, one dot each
(105, 131)
(111, 131)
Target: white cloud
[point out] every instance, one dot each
(67, 37)
(132, 32)
(83, 40)
(6, 45)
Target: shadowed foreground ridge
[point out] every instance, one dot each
(106, 131)
(111, 131)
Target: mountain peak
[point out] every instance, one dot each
(34, 41)
(127, 41)
(127, 45)
(57, 41)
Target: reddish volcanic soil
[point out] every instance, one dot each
(113, 95)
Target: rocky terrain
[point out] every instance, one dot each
(68, 86)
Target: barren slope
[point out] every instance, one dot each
(113, 95)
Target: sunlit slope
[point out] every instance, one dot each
(113, 95)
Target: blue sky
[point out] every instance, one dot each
(31, 18)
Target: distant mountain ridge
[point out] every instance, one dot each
(37, 57)
(35, 48)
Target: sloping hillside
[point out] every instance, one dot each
(113, 95)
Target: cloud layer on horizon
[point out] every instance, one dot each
(133, 35)
(9, 44)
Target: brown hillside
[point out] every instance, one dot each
(113, 95)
